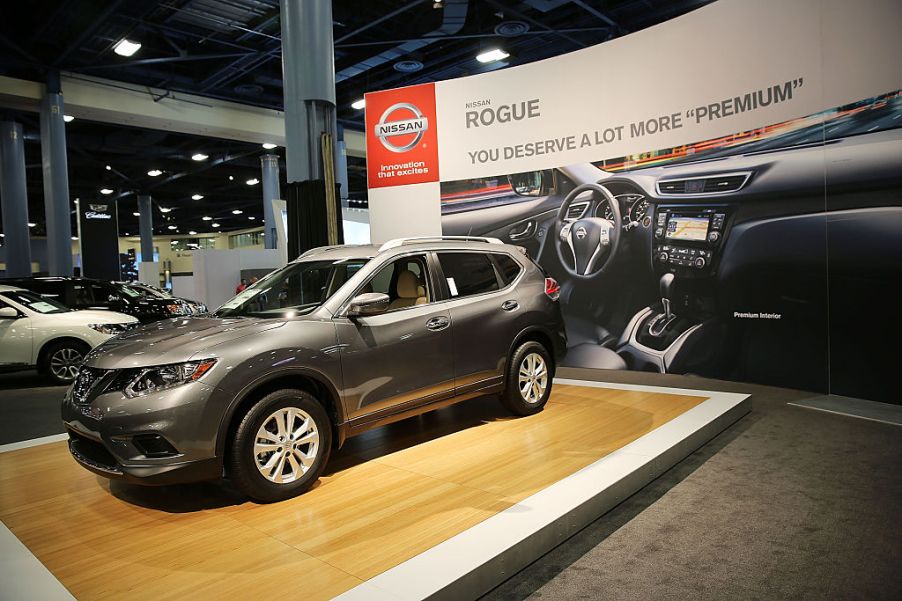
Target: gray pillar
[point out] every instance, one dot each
(269, 164)
(14, 201)
(308, 74)
(341, 170)
(145, 228)
(56, 182)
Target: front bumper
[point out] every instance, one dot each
(162, 438)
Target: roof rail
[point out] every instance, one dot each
(414, 239)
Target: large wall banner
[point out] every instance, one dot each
(718, 195)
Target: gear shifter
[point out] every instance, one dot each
(665, 285)
(659, 324)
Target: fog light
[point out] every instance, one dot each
(153, 445)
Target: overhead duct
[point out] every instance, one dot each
(453, 19)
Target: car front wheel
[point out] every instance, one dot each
(280, 446)
(61, 360)
(528, 379)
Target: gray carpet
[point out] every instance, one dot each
(788, 503)
(29, 408)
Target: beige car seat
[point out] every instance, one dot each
(409, 292)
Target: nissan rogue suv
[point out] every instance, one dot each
(341, 340)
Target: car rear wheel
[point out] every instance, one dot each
(528, 379)
(280, 446)
(61, 361)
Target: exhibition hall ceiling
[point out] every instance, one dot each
(231, 50)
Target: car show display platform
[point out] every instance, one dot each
(445, 505)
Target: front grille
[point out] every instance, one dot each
(91, 452)
(87, 380)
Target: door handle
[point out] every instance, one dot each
(526, 232)
(437, 324)
(510, 305)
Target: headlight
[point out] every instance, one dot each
(111, 328)
(162, 377)
(175, 309)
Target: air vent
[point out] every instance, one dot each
(722, 183)
(576, 210)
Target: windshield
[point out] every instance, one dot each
(131, 292)
(864, 117)
(296, 289)
(36, 303)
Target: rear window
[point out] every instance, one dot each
(468, 273)
(508, 267)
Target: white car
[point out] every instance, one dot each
(38, 331)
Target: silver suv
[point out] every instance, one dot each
(341, 340)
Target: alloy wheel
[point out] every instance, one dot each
(64, 363)
(533, 378)
(286, 445)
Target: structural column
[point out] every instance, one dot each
(148, 270)
(308, 69)
(56, 181)
(14, 201)
(269, 164)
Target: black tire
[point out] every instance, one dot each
(60, 360)
(512, 397)
(242, 464)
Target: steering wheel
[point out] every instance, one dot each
(591, 242)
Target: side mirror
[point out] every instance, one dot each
(368, 303)
(530, 183)
(10, 313)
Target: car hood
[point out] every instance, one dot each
(89, 316)
(174, 341)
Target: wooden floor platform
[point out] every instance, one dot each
(386, 497)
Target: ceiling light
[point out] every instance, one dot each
(172, 227)
(231, 178)
(2, 235)
(192, 233)
(154, 172)
(358, 104)
(127, 234)
(173, 242)
(197, 197)
(251, 217)
(268, 145)
(108, 168)
(215, 225)
(252, 182)
(165, 209)
(136, 214)
(106, 191)
(237, 212)
(126, 47)
(30, 224)
(199, 156)
(76, 237)
(490, 56)
(68, 118)
(207, 218)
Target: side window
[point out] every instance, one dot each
(82, 296)
(101, 294)
(468, 273)
(508, 267)
(405, 281)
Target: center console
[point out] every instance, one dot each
(687, 239)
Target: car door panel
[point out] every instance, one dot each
(395, 358)
(16, 340)
(479, 359)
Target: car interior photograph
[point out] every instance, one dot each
(450, 299)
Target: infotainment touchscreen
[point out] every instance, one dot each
(687, 228)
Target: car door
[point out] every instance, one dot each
(15, 337)
(401, 357)
(485, 311)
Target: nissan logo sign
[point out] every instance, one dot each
(580, 233)
(386, 130)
